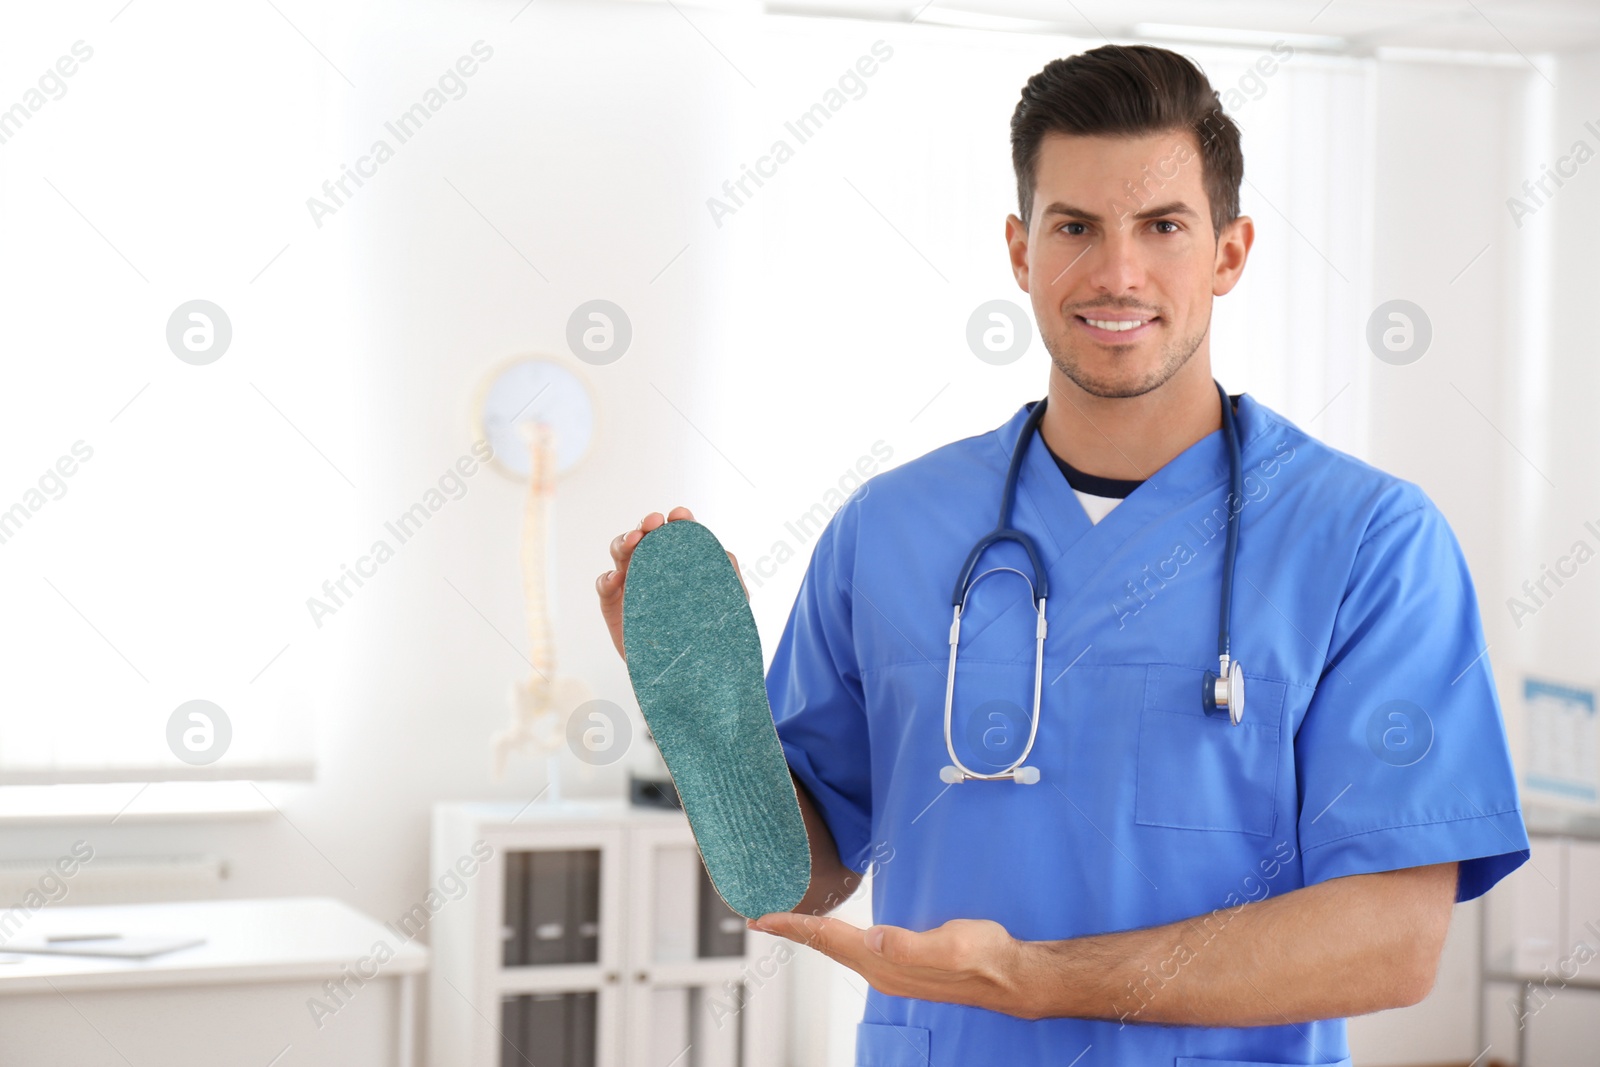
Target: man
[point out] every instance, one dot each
(1176, 887)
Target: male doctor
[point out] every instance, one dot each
(1175, 888)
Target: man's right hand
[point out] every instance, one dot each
(609, 585)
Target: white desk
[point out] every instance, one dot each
(245, 996)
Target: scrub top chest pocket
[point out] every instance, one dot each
(1200, 772)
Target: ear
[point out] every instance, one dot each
(1017, 249)
(1233, 248)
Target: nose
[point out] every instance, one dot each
(1115, 263)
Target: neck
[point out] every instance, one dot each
(1130, 437)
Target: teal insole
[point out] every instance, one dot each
(694, 658)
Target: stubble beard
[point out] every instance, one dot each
(1173, 357)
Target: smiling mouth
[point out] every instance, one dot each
(1115, 325)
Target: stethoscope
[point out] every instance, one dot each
(1222, 690)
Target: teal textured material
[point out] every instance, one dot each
(694, 658)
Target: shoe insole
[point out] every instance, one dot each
(694, 658)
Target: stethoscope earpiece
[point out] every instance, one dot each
(1021, 775)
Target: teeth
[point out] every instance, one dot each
(1112, 324)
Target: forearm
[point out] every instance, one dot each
(1343, 947)
(832, 883)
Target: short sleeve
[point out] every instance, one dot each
(1401, 754)
(814, 687)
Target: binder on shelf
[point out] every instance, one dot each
(514, 1050)
(548, 1033)
(547, 913)
(549, 1030)
(583, 924)
(552, 907)
(513, 932)
(583, 1021)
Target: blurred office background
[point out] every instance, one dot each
(191, 510)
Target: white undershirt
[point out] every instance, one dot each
(1097, 507)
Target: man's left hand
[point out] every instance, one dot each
(965, 961)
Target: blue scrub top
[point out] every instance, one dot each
(1371, 739)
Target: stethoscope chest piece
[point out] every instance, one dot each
(1223, 694)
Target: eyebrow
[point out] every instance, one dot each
(1175, 207)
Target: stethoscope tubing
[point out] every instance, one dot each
(1038, 587)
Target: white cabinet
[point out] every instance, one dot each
(588, 935)
(1541, 954)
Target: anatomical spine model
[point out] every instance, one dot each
(541, 703)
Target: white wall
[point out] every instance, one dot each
(1559, 391)
(1496, 421)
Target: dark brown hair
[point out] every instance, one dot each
(1129, 90)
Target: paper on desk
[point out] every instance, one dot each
(132, 948)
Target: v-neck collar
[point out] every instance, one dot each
(1048, 509)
